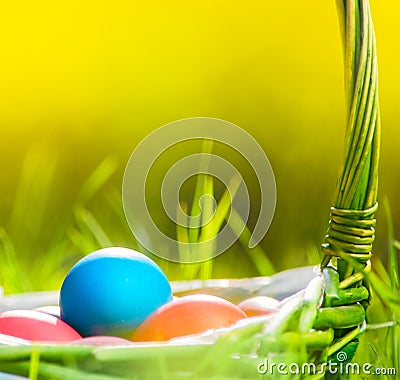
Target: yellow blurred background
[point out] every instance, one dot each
(86, 80)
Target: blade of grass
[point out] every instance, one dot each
(188, 271)
(182, 232)
(11, 272)
(380, 269)
(395, 283)
(84, 243)
(26, 221)
(195, 223)
(97, 179)
(313, 254)
(259, 258)
(223, 208)
(216, 217)
(88, 220)
(52, 270)
(393, 255)
(208, 207)
(34, 364)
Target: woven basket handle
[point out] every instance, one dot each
(351, 227)
(348, 244)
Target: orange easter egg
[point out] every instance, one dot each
(260, 305)
(188, 315)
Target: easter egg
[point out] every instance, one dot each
(188, 315)
(37, 326)
(261, 305)
(52, 310)
(112, 291)
(101, 341)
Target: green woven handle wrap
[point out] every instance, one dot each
(351, 228)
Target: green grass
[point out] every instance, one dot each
(84, 232)
(381, 343)
(75, 234)
(96, 220)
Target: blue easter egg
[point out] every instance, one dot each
(112, 291)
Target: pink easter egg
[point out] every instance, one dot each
(101, 341)
(36, 326)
